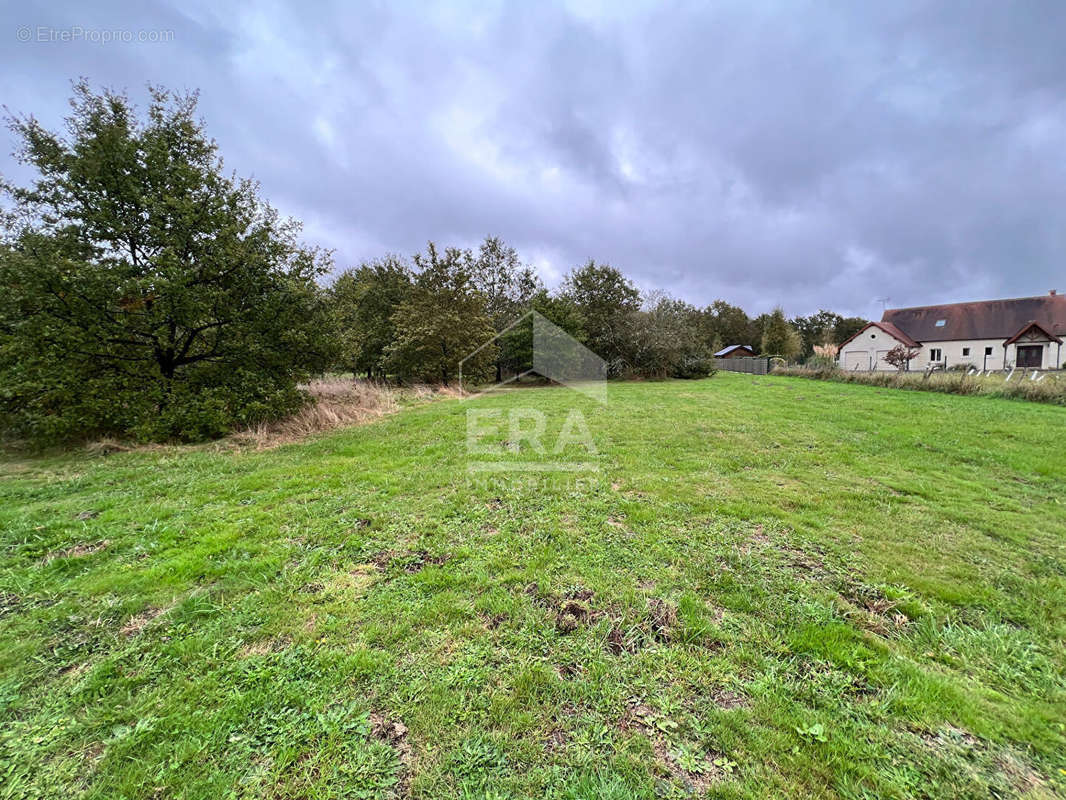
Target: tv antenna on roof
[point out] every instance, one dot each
(884, 302)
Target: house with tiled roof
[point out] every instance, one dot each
(1024, 332)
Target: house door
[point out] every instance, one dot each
(1030, 355)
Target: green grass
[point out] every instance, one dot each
(770, 587)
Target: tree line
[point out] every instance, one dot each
(146, 292)
(417, 319)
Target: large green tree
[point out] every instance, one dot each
(365, 300)
(444, 322)
(508, 287)
(728, 324)
(779, 338)
(516, 344)
(144, 291)
(816, 329)
(606, 299)
(847, 327)
(665, 340)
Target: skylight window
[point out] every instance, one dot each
(940, 323)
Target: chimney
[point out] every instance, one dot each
(1053, 292)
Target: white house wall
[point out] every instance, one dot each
(867, 352)
(952, 353)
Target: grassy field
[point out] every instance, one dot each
(767, 587)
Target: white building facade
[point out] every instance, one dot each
(1022, 333)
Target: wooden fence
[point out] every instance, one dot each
(757, 365)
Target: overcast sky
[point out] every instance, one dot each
(809, 155)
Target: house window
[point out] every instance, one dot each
(935, 354)
(988, 351)
(965, 351)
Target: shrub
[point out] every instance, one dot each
(695, 366)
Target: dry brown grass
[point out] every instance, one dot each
(1050, 387)
(335, 403)
(338, 402)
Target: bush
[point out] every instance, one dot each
(695, 366)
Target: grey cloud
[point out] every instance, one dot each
(807, 154)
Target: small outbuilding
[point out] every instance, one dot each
(735, 351)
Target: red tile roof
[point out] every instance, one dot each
(988, 319)
(888, 328)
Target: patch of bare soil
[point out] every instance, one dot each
(84, 515)
(382, 558)
(139, 622)
(410, 562)
(394, 733)
(493, 621)
(83, 549)
(872, 609)
(727, 700)
(655, 625)
(661, 618)
(569, 671)
(557, 740)
(91, 754)
(618, 642)
(8, 603)
(571, 610)
(805, 563)
(106, 447)
(75, 671)
(420, 559)
(571, 615)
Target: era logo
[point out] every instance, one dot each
(524, 425)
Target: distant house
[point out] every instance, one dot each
(1024, 332)
(735, 351)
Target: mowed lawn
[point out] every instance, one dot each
(769, 587)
